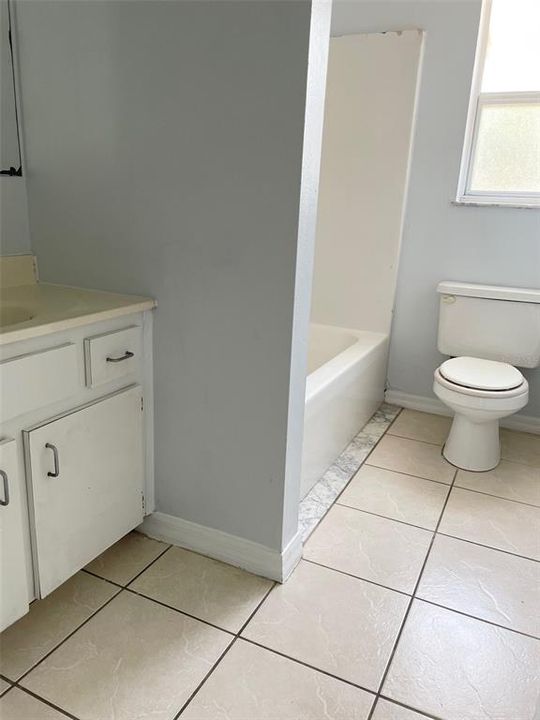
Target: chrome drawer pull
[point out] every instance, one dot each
(56, 472)
(125, 356)
(5, 501)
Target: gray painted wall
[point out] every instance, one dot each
(164, 151)
(441, 241)
(14, 230)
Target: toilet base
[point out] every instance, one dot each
(473, 446)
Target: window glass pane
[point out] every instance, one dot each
(507, 157)
(513, 49)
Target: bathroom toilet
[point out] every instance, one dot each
(487, 330)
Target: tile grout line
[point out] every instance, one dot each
(119, 585)
(498, 497)
(223, 654)
(429, 442)
(205, 678)
(479, 619)
(387, 517)
(408, 707)
(99, 577)
(357, 577)
(35, 665)
(177, 610)
(422, 599)
(417, 477)
(488, 547)
(334, 677)
(307, 665)
(405, 437)
(42, 700)
(407, 611)
(125, 588)
(161, 554)
(120, 589)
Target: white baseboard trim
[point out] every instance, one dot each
(234, 550)
(523, 423)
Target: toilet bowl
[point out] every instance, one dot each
(480, 392)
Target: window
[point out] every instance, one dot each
(501, 156)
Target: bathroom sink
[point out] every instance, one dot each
(13, 314)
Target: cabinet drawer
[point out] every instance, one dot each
(112, 355)
(38, 379)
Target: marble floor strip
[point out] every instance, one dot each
(324, 493)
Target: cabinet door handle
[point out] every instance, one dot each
(125, 356)
(54, 449)
(4, 476)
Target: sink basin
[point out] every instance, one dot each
(13, 314)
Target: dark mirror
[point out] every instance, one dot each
(10, 154)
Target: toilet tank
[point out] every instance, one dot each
(491, 322)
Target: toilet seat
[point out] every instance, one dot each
(474, 376)
(472, 393)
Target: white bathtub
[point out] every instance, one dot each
(345, 385)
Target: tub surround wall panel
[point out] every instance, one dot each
(164, 143)
(367, 131)
(442, 241)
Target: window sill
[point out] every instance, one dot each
(479, 202)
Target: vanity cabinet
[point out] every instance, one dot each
(13, 590)
(85, 472)
(76, 447)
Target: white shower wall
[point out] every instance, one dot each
(369, 111)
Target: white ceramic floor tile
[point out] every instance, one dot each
(126, 558)
(210, 590)
(486, 583)
(334, 622)
(397, 496)
(134, 659)
(19, 705)
(49, 621)
(520, 447)
(387, 710)
(457, 668)
(3, 686)
(508, 480)
(251, 683)
(370, 547)
(488, 520)
(421, 426)
(413, 458)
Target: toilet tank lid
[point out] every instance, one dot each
(494, 292)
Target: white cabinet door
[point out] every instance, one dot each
(86, 477)
(13, 525)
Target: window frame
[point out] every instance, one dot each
(465, 196)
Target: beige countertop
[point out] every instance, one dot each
(36, 309)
